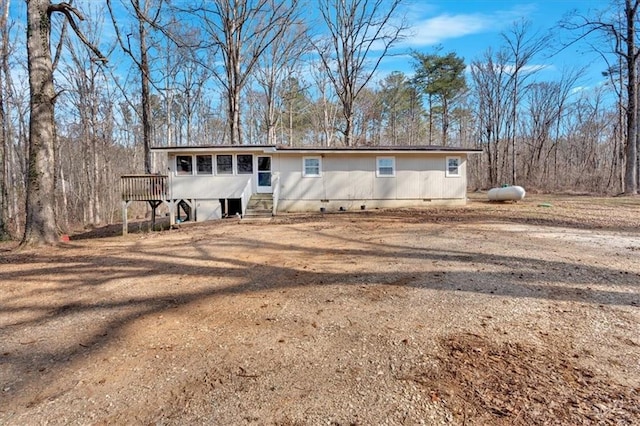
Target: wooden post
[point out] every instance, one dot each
(125, 225)
(154, 205)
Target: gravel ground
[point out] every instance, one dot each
(506, 314)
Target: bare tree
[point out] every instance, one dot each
(85, 95)
(327, 109)
(584, 152)
(276, 68)
(361, 33)
(546, 103)
(40, 225)
(522, 48)
(621, 29)
(368, 118)
(147, 14)
(5, 144)
(490, 76)
(240, 31)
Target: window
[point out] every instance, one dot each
(311, 167)
(224, 164)
(204, 165)
(386, 167)
(244, 164)
(453, 167)
(184, 164)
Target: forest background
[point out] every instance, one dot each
(298, 73)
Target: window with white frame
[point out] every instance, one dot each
(453, 167)
(204, 165)
(184, 164)
(311, 166)
(244, 164)
(385, 166)
(224, 164)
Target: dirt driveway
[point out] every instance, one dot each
(522, 314)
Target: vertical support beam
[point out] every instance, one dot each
(153, 214)
(154, 205)
(172, 213)
(125, 224)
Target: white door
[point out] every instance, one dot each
(264, 174)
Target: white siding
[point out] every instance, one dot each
(208, 186)
(347, 180)
(409, 171)
(361, 176)
(432, 179)
(336, 174)
(353, 177)
(208, 210)
(455, 187)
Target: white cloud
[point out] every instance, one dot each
(529, 69)
(436, 30)
(446, 26)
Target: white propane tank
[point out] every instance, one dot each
(507, 193)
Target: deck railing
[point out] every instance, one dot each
(143, 187)
(276, 193)
(246, 196)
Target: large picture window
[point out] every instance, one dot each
(204, 164)
(453, 167)
(385, 166)
(311, 167)
(244, 164)
(184, 164)
(224, 164)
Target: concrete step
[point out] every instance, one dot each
(257, 219)
(262, 212)
(260, 207)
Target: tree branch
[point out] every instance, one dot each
(71, 13)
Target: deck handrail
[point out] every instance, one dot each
(143, 187)
(246, 196)
(276, 193)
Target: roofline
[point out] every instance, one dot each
(321, 150)
(191, 148)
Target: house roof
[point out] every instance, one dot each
(319, 150)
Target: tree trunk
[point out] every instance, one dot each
(291, 123)
(630, 182)
(445, 120)
(146, 97)
(348, 130)
(234, 117)
(5, 145)
(40, 225)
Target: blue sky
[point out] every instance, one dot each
(470, 27)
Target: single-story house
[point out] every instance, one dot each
(211, 182)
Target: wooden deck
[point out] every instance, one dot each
(150, 188)
(144, 187)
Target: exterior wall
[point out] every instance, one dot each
(211, 185)
(208, 186)
(208, 210)
(347, 180)
(205, 191)
(351, 182)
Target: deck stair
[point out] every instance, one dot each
(260, 206)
